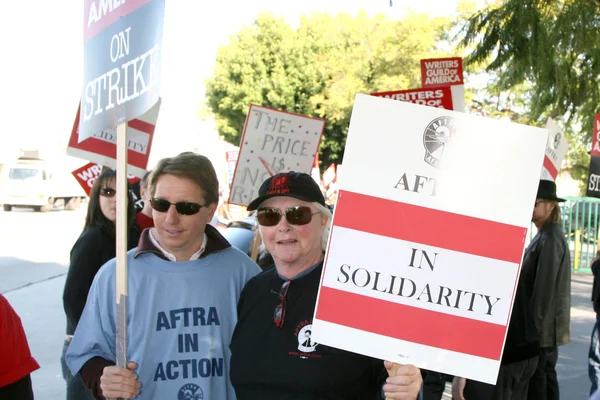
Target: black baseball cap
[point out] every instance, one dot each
(293, 184)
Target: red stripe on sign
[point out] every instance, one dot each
(142, 126)
(431, 227)
(99, 15)
(411, 324)
(550, 167)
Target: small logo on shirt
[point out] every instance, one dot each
(190, 392)
(305, 341)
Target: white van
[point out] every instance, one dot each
(37, 184)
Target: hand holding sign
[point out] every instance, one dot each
(404, 381)
(122, 383)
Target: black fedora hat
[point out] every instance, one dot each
(547, 191)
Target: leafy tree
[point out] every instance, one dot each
(318, 68)
(552, 48)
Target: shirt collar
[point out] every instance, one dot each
(170, 256)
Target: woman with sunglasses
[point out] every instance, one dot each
(273, 353)
(94, 247)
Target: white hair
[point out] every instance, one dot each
(324, 211)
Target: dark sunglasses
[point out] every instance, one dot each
(279, 314)
(182, 207)
(108, 192)
(299, 215)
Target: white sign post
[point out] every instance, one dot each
(273, 141)
(428, 236)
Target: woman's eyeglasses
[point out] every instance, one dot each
(182, 207)
(108, 192)
(279, 314)
(299, 215)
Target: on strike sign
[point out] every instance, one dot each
(439, 97)
(121, 61)
(432, 282)
(273, 141)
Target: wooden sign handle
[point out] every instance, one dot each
(122, 236)
(392, 372)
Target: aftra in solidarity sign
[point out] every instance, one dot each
(121, 62)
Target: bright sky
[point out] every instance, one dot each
(41, 71)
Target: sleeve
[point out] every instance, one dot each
(379, 375)
(19, 390)
(85, 263)
(95, 333)
(91, 372)
(544, 286)
(17, 361)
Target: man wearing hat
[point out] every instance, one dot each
(546, 273)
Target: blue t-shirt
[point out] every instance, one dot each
(181, 316)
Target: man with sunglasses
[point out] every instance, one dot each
(273, 353)
(184, 283)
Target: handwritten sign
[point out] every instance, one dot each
(438, 97)
(438, 290)
(122, 52)
(273, 141)
(101, 147)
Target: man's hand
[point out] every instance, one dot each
(404, 382)
(458, 387)
(120, 383)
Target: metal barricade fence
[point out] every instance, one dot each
(579, 216)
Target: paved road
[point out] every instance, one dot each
(34, 254)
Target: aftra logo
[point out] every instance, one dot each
(437, 139)
(556, 142)
(190, 392)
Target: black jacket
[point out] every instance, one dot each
(547, 274)
(522, 338)
(91, 251)
(596, 287)
(271, 363)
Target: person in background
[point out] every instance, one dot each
(547, 270)
(94, 247)
(143, 219)
(273, 353)
(16, 362)
(594, 352)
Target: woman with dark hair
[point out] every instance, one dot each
(95, 246)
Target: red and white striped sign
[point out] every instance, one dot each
(423, 261)
(556, 150)
(101, 147)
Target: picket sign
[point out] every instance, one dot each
(556, 150)
(428, 236)
(273, 141)
(121, 79)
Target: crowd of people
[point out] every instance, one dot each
(205, 322)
